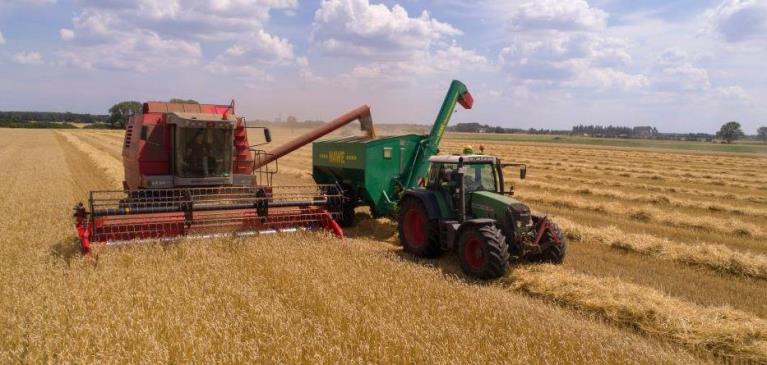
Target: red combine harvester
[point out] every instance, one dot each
(190, 170)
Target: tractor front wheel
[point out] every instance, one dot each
(483, 252)
(553, 243)
(418, 234)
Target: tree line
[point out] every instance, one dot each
(19, 117)
(486, 128)
(728, 133)
(120, 112)
(615, 131)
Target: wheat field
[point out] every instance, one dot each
(667, 264)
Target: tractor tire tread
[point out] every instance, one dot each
(497, 252)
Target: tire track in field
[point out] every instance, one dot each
(100, 163)
(109, 147)
(85, 174)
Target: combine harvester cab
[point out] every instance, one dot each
(190, 171)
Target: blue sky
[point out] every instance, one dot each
(687, 65)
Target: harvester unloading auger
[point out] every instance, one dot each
(189, 170)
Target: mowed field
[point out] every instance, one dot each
(667, 263)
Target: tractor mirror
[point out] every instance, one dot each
(523, 172)
(267, 135)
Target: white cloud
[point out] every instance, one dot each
(558, 14)
(139, 51)
(687, 77)
(199, 19)
(2, 39)
(676, 71)
(146, 35)
(566, 43)
(739, 20)
(261, 46)
(735, 93)
(249, 57)
(27, 2)
(387, 43)
(357, 28)
(28, 58)
(450, 59)
(607, 78)
(66, 34)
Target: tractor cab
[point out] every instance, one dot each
(478, 172)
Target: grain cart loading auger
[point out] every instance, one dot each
(190, 171)
(441, 203)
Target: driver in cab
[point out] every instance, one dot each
(197, 155)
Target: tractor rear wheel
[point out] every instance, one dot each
(554, 246)
(418, 234)
(483, 252)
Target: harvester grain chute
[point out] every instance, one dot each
(441, 203)
(190, 170)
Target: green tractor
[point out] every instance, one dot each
(462, 206)
(441, 202)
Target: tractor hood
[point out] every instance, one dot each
(509, 212)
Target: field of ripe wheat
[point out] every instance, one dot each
(667, 263)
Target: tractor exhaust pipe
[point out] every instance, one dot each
(361, 113)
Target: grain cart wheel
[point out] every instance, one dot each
(483, 252)
(418, 234)
(553, 243)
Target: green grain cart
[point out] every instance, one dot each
(442, 203)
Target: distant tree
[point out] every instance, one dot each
(730, 131)
(119, 113)
(185, 101)
(761, 133)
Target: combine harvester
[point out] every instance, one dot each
(190, 171)
(441, 203)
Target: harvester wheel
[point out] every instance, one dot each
(553, 250)
(418, 234)
(483, 252)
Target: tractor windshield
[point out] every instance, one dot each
(203, 152)
(480, 176)
(477, 176)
